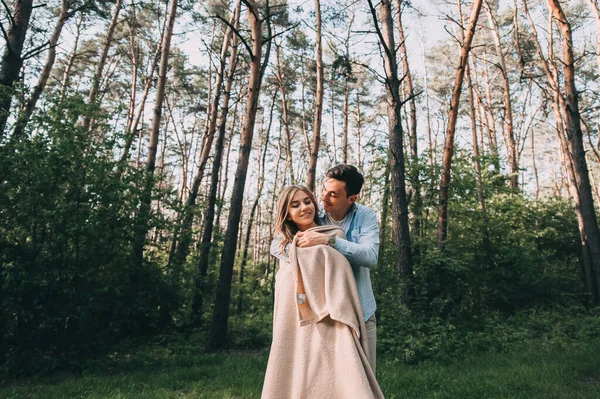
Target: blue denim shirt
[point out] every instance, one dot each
(361, 248)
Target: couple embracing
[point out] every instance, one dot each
(324, 327)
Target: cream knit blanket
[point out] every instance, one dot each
(319, 347)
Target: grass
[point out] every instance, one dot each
(181, 370)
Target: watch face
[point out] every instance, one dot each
(331, 241)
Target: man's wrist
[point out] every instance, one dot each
(331, 240)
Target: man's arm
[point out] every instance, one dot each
(365, 252)
(276, 251)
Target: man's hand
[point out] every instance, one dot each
(311, 238)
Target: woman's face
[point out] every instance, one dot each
(301, 211)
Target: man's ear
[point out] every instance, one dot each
(352, 198)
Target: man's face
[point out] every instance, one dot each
(334, 197)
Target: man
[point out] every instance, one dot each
(361, 246)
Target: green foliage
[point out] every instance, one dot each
(69, 284)
(501, 274)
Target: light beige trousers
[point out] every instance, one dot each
(371, 326)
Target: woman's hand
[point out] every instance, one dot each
(311, 238)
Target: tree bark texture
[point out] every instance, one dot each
(400, 229)
(450, 132)
(575, 136)
(417, 201)
(218, 330)
(93, 94)
(12, 60)
(209, 212)
(508, 114)
(26, 113)
(316, 141)
(146, 197)
(188, 214)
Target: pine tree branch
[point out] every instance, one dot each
(237, 33)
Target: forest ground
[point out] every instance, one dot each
(177, 367)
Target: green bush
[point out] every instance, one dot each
(68, 281)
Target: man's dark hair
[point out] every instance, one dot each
(350, 175)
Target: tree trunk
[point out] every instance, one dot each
(359, 123)
(576, 147)
(130, 131)
(41, 85)
(146, 196)
(218, 330)
(476, 161)
(134, 52)
(452, 118)
(400, 229)
(316, 141)
(589, 246)
(284, 112)
(535, 171)
(209, 213)
(512, 147)
(417, 201)
(347, 75)
(432, 149)
(261, 184)
(92, 96)
(188, 214)
(12, 60)
(71, 59)
(596, 11)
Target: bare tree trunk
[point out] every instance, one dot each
(303, 99)
(570, 117)
(45, 74)
(188, 214)
(347, 76)
(432, 149)
(209, 215)
(102, 61)
(452, 118)
(284, 112)
(130, 131)
(576, 147)
(400, 229)
(476, 161)
(224, 178)
(271, 212)
(345, 116)
(316, 142)
(146, 196)
(334, 157)
(596, 11)
(384, 209)
(134, 52)
(358, 132)
(12, 57)
(417, 201)
(218, 330)
(71, 59)
(261, 184)
(512, 147)
(535, 171)
(492, 134)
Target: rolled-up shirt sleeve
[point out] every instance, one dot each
(277, 251)
(365, 252)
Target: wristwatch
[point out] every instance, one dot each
(331, 241)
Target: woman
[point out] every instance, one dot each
(319, 338)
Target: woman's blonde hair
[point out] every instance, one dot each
(283, 226)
